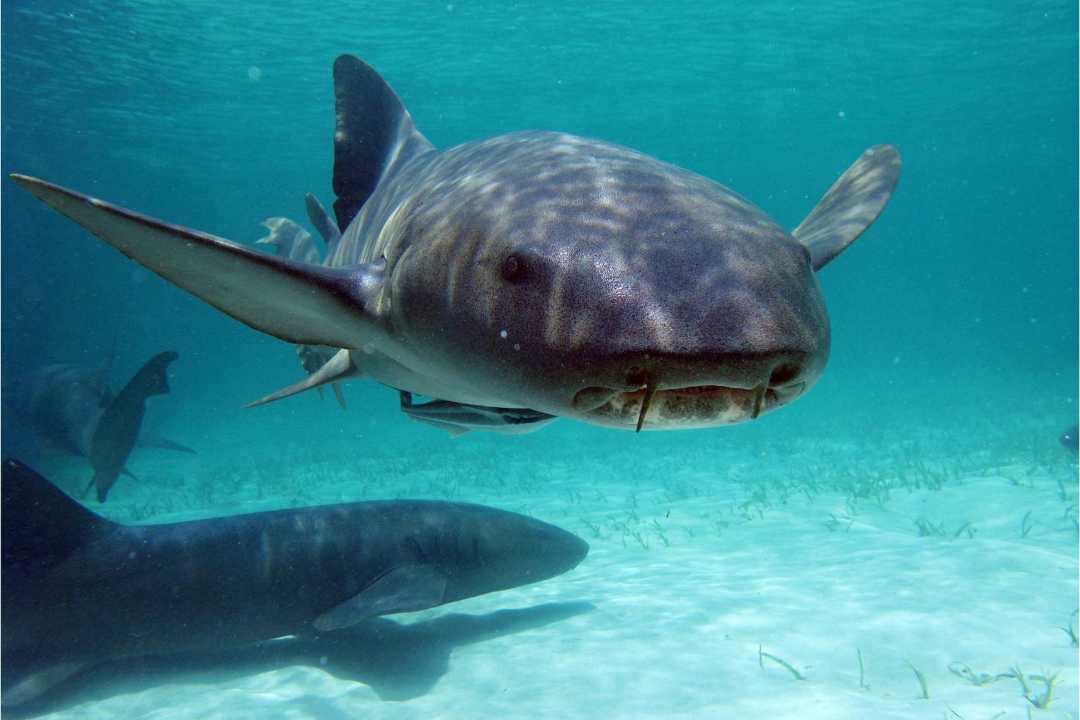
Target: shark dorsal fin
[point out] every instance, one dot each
(373, 132)
(42, 525)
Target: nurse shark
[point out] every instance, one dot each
(78, 589)
(72, 409)
(536, 270)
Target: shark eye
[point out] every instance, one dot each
(513, 268)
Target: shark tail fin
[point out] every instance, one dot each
(374, 133)
(42, 524)
(118, 428)
(153, 377)
(851, 205)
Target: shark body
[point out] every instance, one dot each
(543, 271)
(72, 409)
(79, 589)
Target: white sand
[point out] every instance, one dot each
(741, 553)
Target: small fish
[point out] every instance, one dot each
(459, 418)
(1070, 437)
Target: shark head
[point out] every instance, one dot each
(503, 550)
(599, 284)
(536, 270)
(448, 552)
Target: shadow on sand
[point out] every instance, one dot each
(399, 661)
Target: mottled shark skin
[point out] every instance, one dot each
(79, 589)
(539, 270)
(72, 409)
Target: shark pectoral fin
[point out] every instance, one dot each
(295, 301)
(130, 474)
(407, 588)
(851, 205)
(163, 443)
(339, 367)
(38, 683)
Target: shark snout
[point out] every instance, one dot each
(655, 391)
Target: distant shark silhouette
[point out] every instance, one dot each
(74, 411)
(78, 589)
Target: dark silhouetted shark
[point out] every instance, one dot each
(78, 589)
(118, 427)
(538, 270)
(73, 410)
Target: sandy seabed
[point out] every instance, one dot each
(807, 578)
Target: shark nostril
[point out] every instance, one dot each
(784, 373)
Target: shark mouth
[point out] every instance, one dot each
(652, 408)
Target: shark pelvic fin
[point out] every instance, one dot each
(339, 367)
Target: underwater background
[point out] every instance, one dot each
(915, 510)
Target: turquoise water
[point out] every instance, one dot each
(954, 357)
